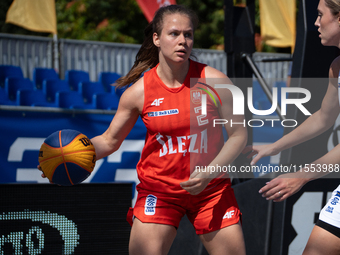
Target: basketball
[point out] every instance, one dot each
(67, 157)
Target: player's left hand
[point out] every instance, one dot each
(196, 184)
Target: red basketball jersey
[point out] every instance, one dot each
(179, 138)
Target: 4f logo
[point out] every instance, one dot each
(229, 214)
(157, 102)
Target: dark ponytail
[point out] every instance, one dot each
(147, 57)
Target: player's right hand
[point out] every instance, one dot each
(282, 187)
(43, 175)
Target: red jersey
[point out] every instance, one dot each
(179, 137)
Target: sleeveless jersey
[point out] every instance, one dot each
(179, 137)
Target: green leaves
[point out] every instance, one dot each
(111, 20)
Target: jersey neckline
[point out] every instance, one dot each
(175, 90)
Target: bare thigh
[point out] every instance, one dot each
(228, 241)
(150, 238)
(322, 242)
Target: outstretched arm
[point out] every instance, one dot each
(130, 106)
(316, 124)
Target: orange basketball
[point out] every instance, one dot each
(67, 157)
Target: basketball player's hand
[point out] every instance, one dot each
(43, 175)
(260, 151)
(282, 187)
(197, 183)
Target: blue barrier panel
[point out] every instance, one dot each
(23, 132)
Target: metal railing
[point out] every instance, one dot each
(94, 57)
(27, 52)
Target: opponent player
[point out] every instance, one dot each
(180, 137)
(325, 237)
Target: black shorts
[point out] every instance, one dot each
(328, 227)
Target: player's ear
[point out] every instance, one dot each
(155, 39)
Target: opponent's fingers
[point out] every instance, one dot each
(281, 198)
(270, 187)
(252, 154)
(278, 196)
(247, 149)
(271, 193)
(256, 158)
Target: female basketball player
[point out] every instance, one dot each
(325, 237)
(180, 140)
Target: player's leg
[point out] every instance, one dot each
(150, 238)
(325, 236)
(216, 218)
(322, 242)
(156, 217)
(228, 241)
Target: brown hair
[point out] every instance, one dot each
(334, 5)
(147, 56)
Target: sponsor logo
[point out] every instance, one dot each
(150, 205)
(329, 209)
(163, 113)
(335, 200)
(229, 214)
(157, 101)
(85, 141)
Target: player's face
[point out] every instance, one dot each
(328, 25)
(176, 39)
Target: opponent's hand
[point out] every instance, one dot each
(282, 187)
(260, 151)
(197, 183)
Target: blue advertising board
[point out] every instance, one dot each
(23, 132)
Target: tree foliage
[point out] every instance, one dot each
(210, 32)
(109, 20)
(120, 21)
(123, 21)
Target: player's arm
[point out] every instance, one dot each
(237, 136)
(237, 133)
(129, 109)
(313, 126)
